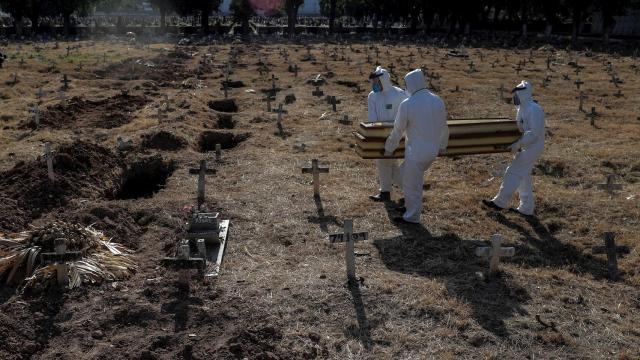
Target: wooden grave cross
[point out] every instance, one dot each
(317, 92)
(612, 252)
(578, 83)
(48, 156)
(316, 170)
(582, 98)
(549, 62)
(610, 186)
(60, 257)
(202, 171)
(36, 114)
(345, 120)
(22, 62)
(280, 111)
(592, 116)
(495, 252)
(218, 152)
(333, 103)
(501, 89)
(350, 238)
(65, 82)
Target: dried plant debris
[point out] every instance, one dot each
(101, 260)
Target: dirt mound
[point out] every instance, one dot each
(119, 224)
(163, 140)
(105, 114)
(82, 170)
(227, 140)
(224, 105)
(168, 70)
(257, 343)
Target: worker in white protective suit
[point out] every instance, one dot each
(383, 103)
(423, 118)
(527, 150)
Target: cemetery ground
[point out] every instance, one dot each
(282, 291)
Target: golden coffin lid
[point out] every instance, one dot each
(378, 144)
(457, 128)
(468, 150)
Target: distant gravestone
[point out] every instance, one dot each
(201, 171)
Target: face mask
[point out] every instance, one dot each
(376, 88)
(516, 100)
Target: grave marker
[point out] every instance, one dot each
(578, 83)
(317, 92)
(592, 116)
(48, 156)
(36, 115)
(610, 186)
(65, 82)
(582, 98)
(612, 252)
(316, 170)
(218, 152)
(349, 237)
(60, 257)
(494, 253)
(201, 171)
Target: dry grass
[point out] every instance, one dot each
(420, 297)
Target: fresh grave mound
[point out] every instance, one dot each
(166, 70)
(163, 140)
(224, 105)
(144, 178)
(108, 113)
(22, 255)
(227, 140)
(82, 170)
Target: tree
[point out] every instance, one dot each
(164, 6)
(197, 7)
(242, 13)
(291, 8)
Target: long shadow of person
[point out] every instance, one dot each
(542, 249)
(179, 307)
(452, 261)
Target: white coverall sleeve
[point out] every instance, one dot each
(371, 110)
(399, 127)
(536, 129)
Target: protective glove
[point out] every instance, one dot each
(515, 147)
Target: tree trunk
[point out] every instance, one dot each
(548, 30)
(67, 24)
(291, 21)
(163, 20)
(204, 21)
(332, 16)
(577, 20)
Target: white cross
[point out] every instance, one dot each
(495, 252)
(315, 169)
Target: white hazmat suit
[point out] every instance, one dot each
(383, 107)
(528, 148)
(423, 118)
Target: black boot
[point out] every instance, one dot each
(492, 205)
(383, 196)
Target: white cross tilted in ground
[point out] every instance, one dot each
(201, 171)
(350, 238)
(316, 169)
(495, 252)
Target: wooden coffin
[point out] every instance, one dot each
(457, 128)
(459, 151)
(466, 137)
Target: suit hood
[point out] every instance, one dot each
(524, 90)
(415, 81)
